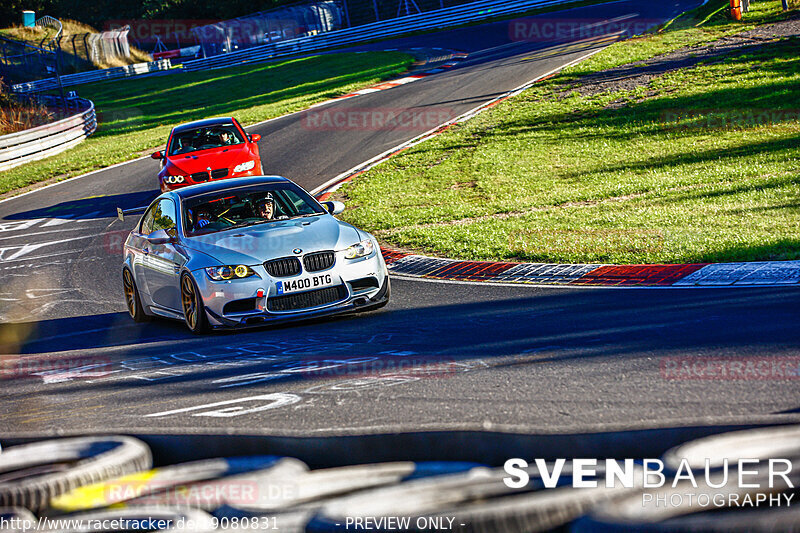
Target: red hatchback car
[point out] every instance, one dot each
(211, 149)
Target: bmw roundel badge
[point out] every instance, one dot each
(297, 251)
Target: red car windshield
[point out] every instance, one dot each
(205, 138)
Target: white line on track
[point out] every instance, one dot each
(275, 400)
(46, 256)
(25, 249)
(27, 235)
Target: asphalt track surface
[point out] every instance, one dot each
(440, 355)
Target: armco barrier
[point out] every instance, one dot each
(93, 76)
(440, 18)
(49, 139)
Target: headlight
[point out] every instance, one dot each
(244, 166)
(174, 179)
(362, 249)
(223, 273)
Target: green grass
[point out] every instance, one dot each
(702, 25)
(135, 116)
(682, 170)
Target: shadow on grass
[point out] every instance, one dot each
(718, 110)
(779, 249)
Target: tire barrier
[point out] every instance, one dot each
(49, 139)
(159, 480)
(14, 518)
(478, 498)
(91, 475)
(45, 470)
(781, 441)
(717, 453)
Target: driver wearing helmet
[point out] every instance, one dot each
(266, 207)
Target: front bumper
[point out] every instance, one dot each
(217, 295)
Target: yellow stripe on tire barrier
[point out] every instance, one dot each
(154, 484)
(101, 494)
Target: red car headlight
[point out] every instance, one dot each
(172, 180)
(242, 167)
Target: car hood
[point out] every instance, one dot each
(255, 244)
(214, 158)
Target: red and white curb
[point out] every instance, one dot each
(762, 273)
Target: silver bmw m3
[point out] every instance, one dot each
(248, 251)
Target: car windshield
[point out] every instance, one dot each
(246, 206)
(205, 138)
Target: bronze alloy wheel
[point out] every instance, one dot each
(132, 301)
(130, 292)
(193, 312)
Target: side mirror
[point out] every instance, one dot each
(157, 155)
(255, 137)
(334, 208)
(161, 236)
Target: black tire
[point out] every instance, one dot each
(246, 487)
(132, 300)
(194, 312)
(773, 520)
(311, 489)
(135, 519)
(114, 491)
(44, 470)
(683, 513)
(761, 443)
(477, 499)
